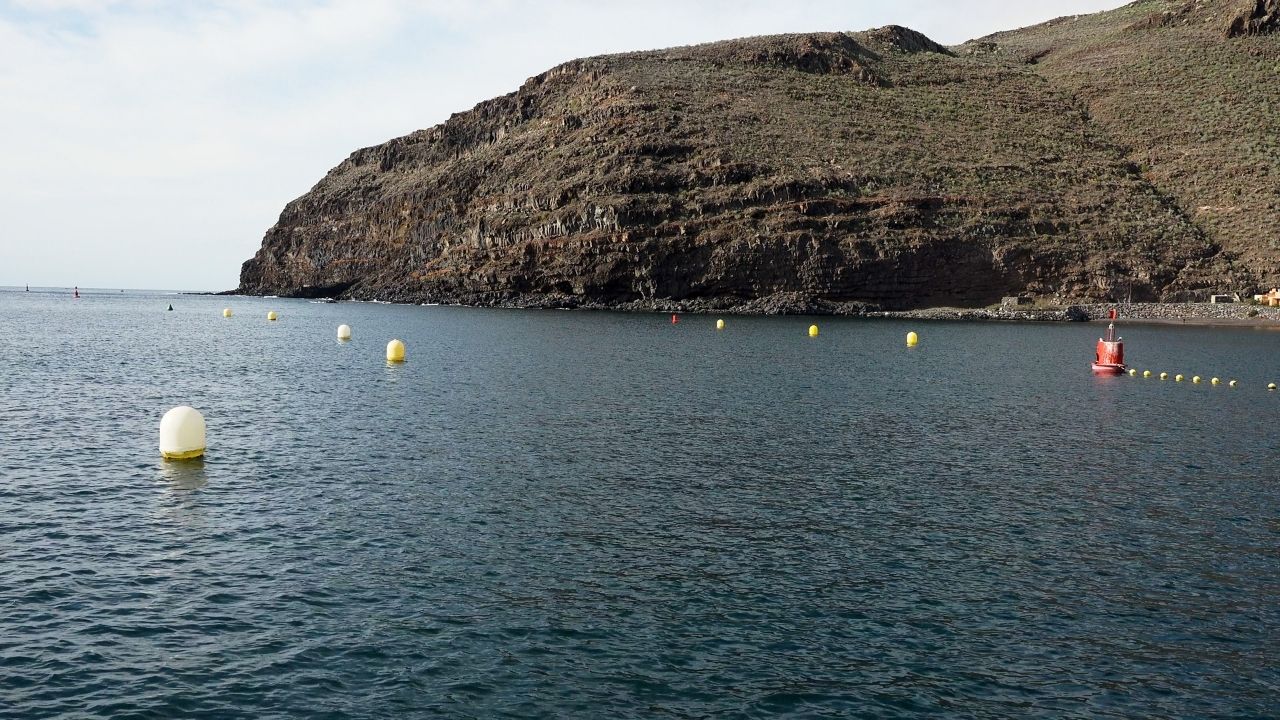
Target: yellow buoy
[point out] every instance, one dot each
(1271, 386)
(1178, 377)
(226, 312)
(182, 433)
(1214, 381)
(344, 332)
(720, 324)
(813, 331)
(395, 351)
(1231, 383)
(271, 314)
(1146, 373)
(1195, 379)
(912, 339)
(1164, 376)
(1133, 372)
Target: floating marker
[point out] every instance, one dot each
(1231, 383)
(1178, 377)
(1195, 379)
(1271, 386)
(719, 324)
(1164, 376)
(395, 351)
(182, 433)
(912, 339)
(813, 331)
(1214, 381)
(344, 332)
(1146, 373)
(170, 307)
(674, 318)
(271, 314)
(1133, 372)
(226, 312)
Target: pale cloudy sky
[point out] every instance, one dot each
(151, 143)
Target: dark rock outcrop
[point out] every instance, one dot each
(1255, 17)
(826, 172)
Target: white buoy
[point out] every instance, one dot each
(182, 433)
(226, 312)
(271, 315)
(344, 332)
(395, 351)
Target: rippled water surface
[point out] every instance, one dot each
(557, 514)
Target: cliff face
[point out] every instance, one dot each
(796, 172)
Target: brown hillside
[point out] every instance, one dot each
(776, 173)
(1191, 91)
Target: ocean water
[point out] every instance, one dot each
(573, 514)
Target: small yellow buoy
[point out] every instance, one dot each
(344, 332)
(395, 351)
(1231, 383)
(1133, 372)
(1214, 381)
(912, 339)
(271, 314)
(226, 312)
(1146, 373)
(1195, 379)
(182, 433)
(813, 331)
(719, 324)
(1178, 377)
(1271, 386)
(1164, 376)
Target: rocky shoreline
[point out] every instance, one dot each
(801, 304)
(1174, 312)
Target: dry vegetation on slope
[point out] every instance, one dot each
(875, 167)
(1191, 92)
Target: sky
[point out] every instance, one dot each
(151, 143)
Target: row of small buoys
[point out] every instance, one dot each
(1195, 379)
(912, 338)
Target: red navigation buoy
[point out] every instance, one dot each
(675, 319)
(1109, 357)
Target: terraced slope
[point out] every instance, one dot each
(1191, 92)
(795, 172)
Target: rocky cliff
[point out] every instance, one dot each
(818, 172)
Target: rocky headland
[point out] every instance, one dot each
(1125, 156)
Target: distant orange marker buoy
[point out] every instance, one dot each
(674, 318)
(1108, 359)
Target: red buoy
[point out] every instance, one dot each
(1108, 359)
(675, 319)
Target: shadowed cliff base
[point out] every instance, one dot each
(824, 172)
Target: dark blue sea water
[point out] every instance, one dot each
(572, 514)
